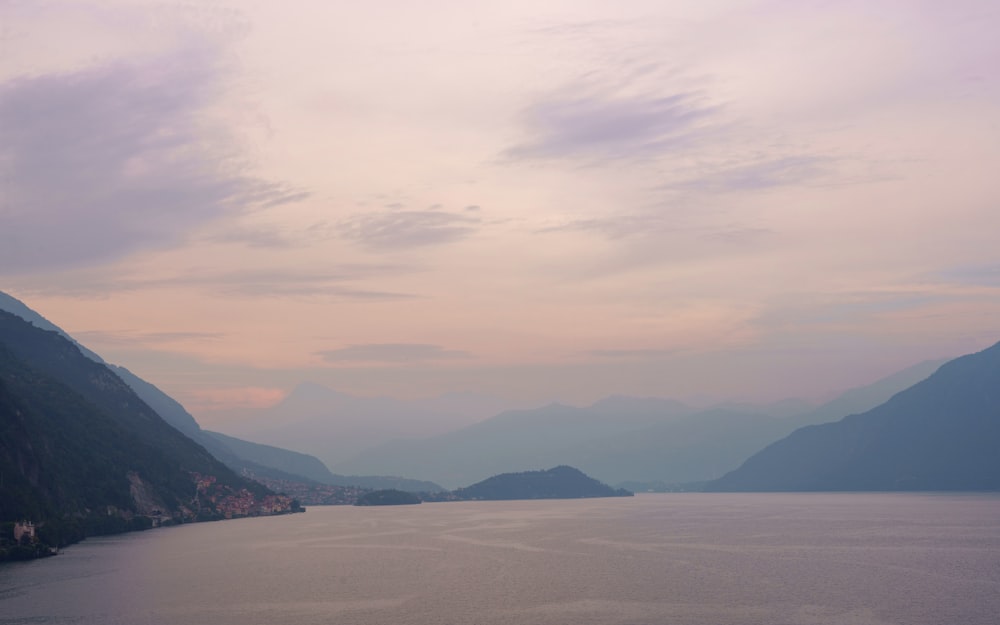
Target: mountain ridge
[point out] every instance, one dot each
(943, 433)
(263, 462)
(618, 439)
(82, 454)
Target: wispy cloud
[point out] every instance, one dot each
(606, 125)
(406, 229)
(754, 176)
(254, 237)
(388, 353)
(658, 224)
(978, 275)
(736, 234)
(631, 354)
(104, 161)
(304, 288)
(613, 227)
(334, 284)
(144, 338)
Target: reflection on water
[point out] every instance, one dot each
(806, 559)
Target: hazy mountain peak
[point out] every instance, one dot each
(312, 391)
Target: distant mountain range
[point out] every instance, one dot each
(642, 442)
(335, 426)
(941, 434)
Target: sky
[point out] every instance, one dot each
(745, 200)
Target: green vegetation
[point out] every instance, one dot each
(82, 455)
(388, 497)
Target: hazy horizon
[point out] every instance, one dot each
(744, 201)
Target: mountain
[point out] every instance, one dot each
(336, 426)
(50, 355)
(646, 442)
(256, 459)
(941, 434)
(81, 451)
(263, 462)
(244, 457)
(791, 407)
(864, 398)
(560, 482)
(511, 440)
(693, 449)
(241, 456)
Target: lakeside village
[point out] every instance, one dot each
(28, 539)
(316, 494)
(212, 501)
(220, 501)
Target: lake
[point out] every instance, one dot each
(741, 559)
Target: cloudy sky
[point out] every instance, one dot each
(535, 200)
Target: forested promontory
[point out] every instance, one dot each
(562, 482)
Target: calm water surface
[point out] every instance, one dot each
(823, 559)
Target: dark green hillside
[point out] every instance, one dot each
(177, 416)
(51, 355)
(59, 454)
(557, 483)
(941, 434)
(19, 309)
(264, 463)
(81, 454)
